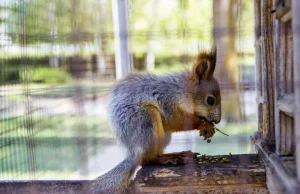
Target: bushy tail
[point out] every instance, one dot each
(116, 181)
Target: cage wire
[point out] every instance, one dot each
(58, 65)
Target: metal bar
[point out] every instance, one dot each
(122, 50)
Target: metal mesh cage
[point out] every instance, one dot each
(47, 72)
(58, 61)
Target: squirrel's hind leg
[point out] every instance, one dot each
(150, 140)
(159, 140)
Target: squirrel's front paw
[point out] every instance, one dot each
(207, 130)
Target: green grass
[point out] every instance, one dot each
(56, 148)
(165, 68)
(55, 126)
(69, 89)
(63, 142)
(73, 126)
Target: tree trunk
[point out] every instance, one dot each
(224, 32)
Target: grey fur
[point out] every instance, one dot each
(133, 124)
(110, 183)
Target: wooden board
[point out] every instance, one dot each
(243, 174)
(42, 187)
(296, 47)
(281, 176)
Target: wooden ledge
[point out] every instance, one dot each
(243, 174)
(43, 187)
(281, 176)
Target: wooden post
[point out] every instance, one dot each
(257, 10)
(267, 68)
(296, 48)
(122, 54)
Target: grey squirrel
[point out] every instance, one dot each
(145, 109)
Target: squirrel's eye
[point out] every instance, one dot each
(210, 100)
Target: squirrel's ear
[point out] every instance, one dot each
(205, 65)
(213, 53)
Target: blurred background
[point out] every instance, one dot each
(60, 58)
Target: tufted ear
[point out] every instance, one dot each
(204, 66)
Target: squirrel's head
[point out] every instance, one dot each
(205, 88)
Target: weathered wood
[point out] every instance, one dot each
(281, 141)
(279, 94)
(42, 187)
(290, 134)
(228, 189)
(260, 117)
(289, 59)
(267, 65)
(266, 119)
(283, 67)
(279, 83)
(243, 172)
(273, 183)
(283, 11)
(296, 47)
(286, 104)
(257, 19)
(280, 174)
(258, 40)
(280, 57)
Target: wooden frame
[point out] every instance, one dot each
(296, 47)
(283, 82)
(278, 91)
(284, 11)
(264, 61)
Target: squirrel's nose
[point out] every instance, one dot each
(216, 120)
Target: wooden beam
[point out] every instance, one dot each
(283, 84)
(284, 11)
(237, 188)
(243, 173)
(43, 187)
(267, 61)
(296, 48)
(258, 41)
(279, 177)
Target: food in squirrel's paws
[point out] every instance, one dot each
(209, 130)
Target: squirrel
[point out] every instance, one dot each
(145, 109)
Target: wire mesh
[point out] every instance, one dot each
(58, 64)
(45, 77)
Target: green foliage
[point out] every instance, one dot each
(46, 75)
(247, 19)
(172, 23)
(177, 26)
(57, 146)
(73, 126)
(10, 74)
